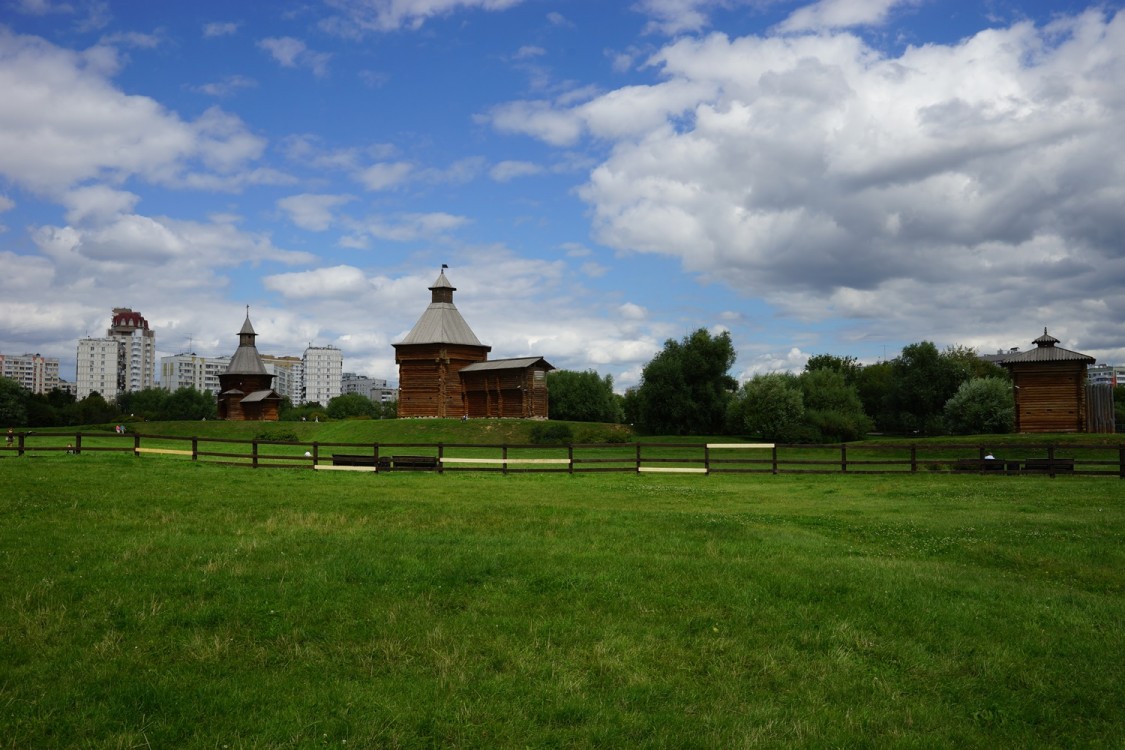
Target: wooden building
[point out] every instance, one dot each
(1050, 387)
(515, 388)
(246, 390)
(431, 356)
(443, 369)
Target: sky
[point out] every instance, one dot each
(839, 177)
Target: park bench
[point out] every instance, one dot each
(351, 459)
(985, 464)
(1049, 465)
(414, 463)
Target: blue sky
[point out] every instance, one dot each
(845, 177)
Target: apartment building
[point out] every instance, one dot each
(323, 374)
(34, 372)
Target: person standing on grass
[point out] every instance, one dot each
(10, 435)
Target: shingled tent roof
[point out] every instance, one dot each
(441, 323)
(515, 363)
(1046, 351)
(246, 360)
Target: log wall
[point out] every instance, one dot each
(1050, 397)
(428, 377)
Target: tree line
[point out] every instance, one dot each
(20, 407)
(686, 389)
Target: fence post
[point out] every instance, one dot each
(1121, 461)
(504, 455)
(638, 458)
(254, 453)
(774, 455)
(194, 448)
(913, 459)
(440, 456)
(137, 444)
(22, 435)
(1051, 460)
(77, 443)
(707, 458)
(843, 458)
(570, 459)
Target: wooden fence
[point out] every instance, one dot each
(1041, 459)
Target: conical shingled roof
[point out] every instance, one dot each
(246, 360)
(441, 323)
(1046, 351)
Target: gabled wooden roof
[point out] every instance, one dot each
(1046, 351)
(515, 363)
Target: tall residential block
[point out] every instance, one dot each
(324, 372)
(34, 372)
(131, 346)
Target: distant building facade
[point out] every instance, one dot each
(1111, 375)
(130, 344)
(323, 374)
(372, 388)
(98, 368)
(289, 376)
(189, 370)
(34, 372)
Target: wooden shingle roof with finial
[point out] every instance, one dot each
(1046, 351)
(441, 323)
(246, 360)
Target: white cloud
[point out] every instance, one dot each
(220, 28)
(312, 212)
(840, 14)
(834, 181)
(354, 17)
(338, 281)
(509, 170)
(293, 53)
(228, 86)
(385, 175)
(62, 122)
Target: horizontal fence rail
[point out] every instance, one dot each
(1045, 459)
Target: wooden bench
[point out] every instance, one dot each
(352, 459)
(1049, 465)
(985, 464)
(414, 463)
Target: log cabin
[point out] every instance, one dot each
(443, 369)
(246, 390)
(1050, 387)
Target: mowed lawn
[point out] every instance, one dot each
(157, 603)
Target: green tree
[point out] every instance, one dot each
(873, 384)
(981, 406)
(684, 390)
(833, 411)
(1119, 406)
(189, 404)
(770, 406)
(13, 403)
(351, 405)
(974, 366)
(94, 409)
(582, 397)
(923, 380)
(848, 367)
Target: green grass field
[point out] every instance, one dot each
(160, 603)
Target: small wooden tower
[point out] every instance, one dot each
(515, 388)
(432, 355)
(1050, 387)
(246, 390)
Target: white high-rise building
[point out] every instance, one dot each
(288, 375)
(192, 371)
(324, 371)
(134, 368)
(34, 372)
(99, 363)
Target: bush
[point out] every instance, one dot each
(551, 434)
(981, 406)
(278, 435)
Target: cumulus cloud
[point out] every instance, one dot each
(228, 86)
(312, 212)
(293, 53)
(837, 181)
(355, 17)
(220, 28)
(839, 14)
(509, 170)
(385, 175)
(63, 122)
